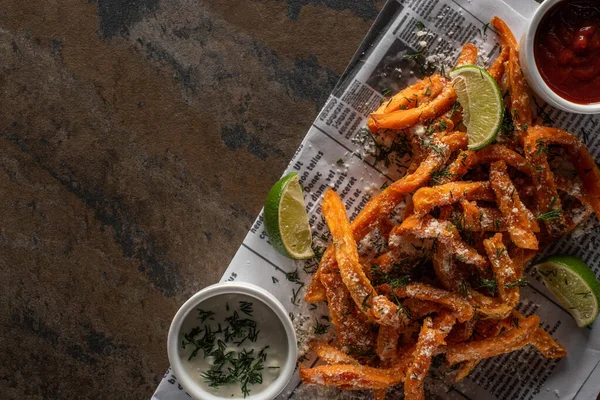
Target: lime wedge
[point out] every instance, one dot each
(481, 100)
(286, 221)
(573, 284)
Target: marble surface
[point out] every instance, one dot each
(138, 141)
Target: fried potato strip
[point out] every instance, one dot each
(402, 119)
(427, 198)
(504, 270)
(431, 337)
(519, 224)
(330, 354)
(362, 292)
(507, 342)
(462, 310)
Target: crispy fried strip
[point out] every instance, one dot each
(353, 377)
(520, 98)
(384, 203)
(504, 269)
(420, 308)
(462, 310)
(380, 110)
(353, 328)
(467, 160)
(420, 93)
(497, 68)
(398, 118)
(316, 291)
(519, 91)
(506, 36)
(330, 354)
(547, 345)
(519, 226)
(427, 198)
(511, 340)
(482, 219)
(444, 231)
(431, 337)
(364, 295)
(445, 270)
(402, 119)
(461, 332)
(487, 307)
(547, 199)
(543, 341)
(387, 343)
(580, 157)
(468, 55)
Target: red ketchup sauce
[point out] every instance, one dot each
(567, 50)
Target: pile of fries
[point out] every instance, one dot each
(447, 280)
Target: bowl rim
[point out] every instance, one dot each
(193, 388)
(527, 47)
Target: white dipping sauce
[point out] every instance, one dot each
(269, 332)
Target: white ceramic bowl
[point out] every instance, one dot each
(190, 383)
(532, 74)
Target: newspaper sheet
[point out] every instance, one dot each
(335, 153)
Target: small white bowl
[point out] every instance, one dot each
(190, 383)
(532, 74)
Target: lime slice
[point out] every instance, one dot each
(573, 284)
(481, 100)
(286, 220)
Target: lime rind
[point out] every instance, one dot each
(574, 285)
(483, 107)
(286, 221)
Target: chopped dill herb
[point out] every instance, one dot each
(295, 295)
(552, 214)
(246, 307)
(364, 302)
(275, 280)
(455, 108)
(489, 284)
(485, 27)
(401, 281)
(414, 56)
(292, 276)
(516, 283)
(440, 176)
(508, 125)
(359, 351)
(340, 161)
(320, 329)
(204, 315)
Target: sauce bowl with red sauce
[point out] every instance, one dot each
(560, 54)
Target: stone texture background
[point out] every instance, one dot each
(138, 140)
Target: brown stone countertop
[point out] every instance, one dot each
(138, 141)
